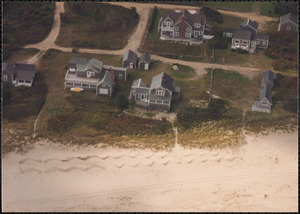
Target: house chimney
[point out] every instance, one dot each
(182, 30)
(112, 75)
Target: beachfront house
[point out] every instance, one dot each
(18, 74)
(264, 102)
(246, 37)
(288, 22)
(158, 96)
(182, 25)
(92, 75)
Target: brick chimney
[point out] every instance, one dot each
(112, 75)
(182, 30)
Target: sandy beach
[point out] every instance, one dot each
(262, 175)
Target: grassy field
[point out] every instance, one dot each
(21, 55)
(95, 25)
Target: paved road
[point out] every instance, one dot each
(136, 38)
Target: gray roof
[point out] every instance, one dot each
(265, 92)
(107, 79)
(130, 56)
(145, 58)
(289, 17)
(228, 30)
(142, 90)
(19, 68)
(268, 76)
(262, 36)
(240, 34)
(250, 23)
(25, 75)
(78, 60)
(162, 80)
(95, 64)
(138, 83)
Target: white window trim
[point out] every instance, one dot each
(288, 27)
(176, 33)
(5, 77)
(120, 76)
(103, 84)
(176, 28)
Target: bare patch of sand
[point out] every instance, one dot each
(260, 176)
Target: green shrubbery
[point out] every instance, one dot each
(121, 101)
(212, 15)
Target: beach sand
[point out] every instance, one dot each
(261, 175)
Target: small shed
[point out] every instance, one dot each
(288, 22)
(144, 62)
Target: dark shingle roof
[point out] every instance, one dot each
(95, 64)
(142, 90)
(107, 79)
(240, 34)
(262, 36)
(162, 80)
(288, 17)
(228, 30)
(197, 17)
(25, 75)
(266, 92)
(130, 56)
(250, 23)
(268, 76)
(145, 58)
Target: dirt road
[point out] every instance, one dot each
(136, 38)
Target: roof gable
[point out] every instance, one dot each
(240, 34)
(162, 80)
(288, 17)
(130, 56)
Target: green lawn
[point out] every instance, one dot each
(96, 25)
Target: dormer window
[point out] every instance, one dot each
(167, 23)
(160, 92)
(197, 25)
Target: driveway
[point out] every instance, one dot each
(135, 40)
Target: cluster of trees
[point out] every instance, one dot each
(25, 23)
(282, 7)
(283, 48)
(212, 15)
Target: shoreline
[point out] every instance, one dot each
(261, 175)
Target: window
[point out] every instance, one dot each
(288, 27)
(5, 77)
(196, 33)
(264, 103)
(85, 85)
(168, 24)
(176, 33)
(197, 25)
(92, 74)
(188, 29)
(152, 101)
(70, 83)
(103, 84)
(21, 81)
(120, 76)
(188, 35)
(160, 92)
(176, 28)
(258, 42)
(264, 43)
(159, 101)
(166, 102)
(27, 81)
(133, 93)
(93, 86)
(77, 84)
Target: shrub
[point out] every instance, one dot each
(154, 14)
(212, 15)
(121, 101)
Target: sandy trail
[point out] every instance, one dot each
(135, 40)
(262, 175)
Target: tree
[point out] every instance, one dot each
(121, 101)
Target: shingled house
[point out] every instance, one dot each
(129, 59)
(18, 74)
(245, 37)
(288, 22)
(264, 102)
(182, 25)
(158, 96)
(92, 75)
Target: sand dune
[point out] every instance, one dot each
(260, 176)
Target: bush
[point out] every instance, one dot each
(212, 15)
(6, 94)
(154, 14)
(121, 101)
